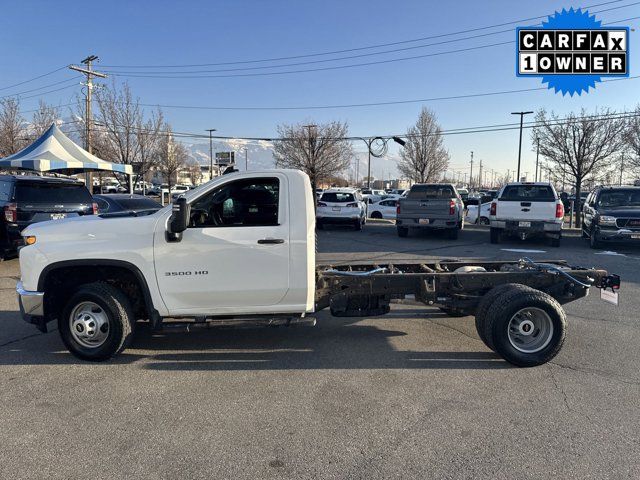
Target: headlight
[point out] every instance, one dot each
(605, 220)
(29, 239)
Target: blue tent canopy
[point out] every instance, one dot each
(54, 151)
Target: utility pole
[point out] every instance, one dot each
(537, 155)
(480, 182)
(522, 114)
(621, 167)
(471, 172)
(508, 175)
(210, 130)
(246, 160)
(90, 73)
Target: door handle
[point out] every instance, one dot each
(270, 241)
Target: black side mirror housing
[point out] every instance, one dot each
(179, 220)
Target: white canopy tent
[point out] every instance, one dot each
(55, 152)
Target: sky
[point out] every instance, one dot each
(129, 37)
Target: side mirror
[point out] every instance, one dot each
(179, 220)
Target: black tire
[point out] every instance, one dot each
(485, 304)
(115, 305)
(505, 307)
(494, 234)
(593, 239)
(452, 233)
(555, 242)
(319, 225)
(377, 215)
(483, 221)
(452, 312)
(403, 232)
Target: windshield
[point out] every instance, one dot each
(431, 191)
(528, 193)
(54, 193)
(337, 197)
(620, 198)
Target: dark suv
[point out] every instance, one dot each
(612, 214)
(29, 199)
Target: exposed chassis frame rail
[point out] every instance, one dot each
(456, 286)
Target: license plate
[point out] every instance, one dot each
(58, 216)
(335, 209)
(609, 296)
(635, 236)
(524, 224)
(423, 221)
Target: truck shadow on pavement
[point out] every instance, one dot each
(335, 343)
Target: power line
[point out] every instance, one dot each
(309, 62)
(34, 78)
(456, 131)
(17, 94)
(319, 69)
(369, 104)
(380, 45)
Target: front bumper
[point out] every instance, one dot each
(31, 306)
(621, 235)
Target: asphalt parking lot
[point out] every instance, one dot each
(413, 394)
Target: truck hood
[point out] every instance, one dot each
(624, 212)
(93, 227)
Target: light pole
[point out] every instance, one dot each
(377, 146)
(210, 130)
(537, 155)
(522, 114)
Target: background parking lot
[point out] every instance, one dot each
(411, 394)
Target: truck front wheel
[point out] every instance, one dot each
(97, 322)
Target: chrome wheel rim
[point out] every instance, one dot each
(530, 330)
(89, 324)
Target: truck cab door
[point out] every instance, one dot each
(234, 257)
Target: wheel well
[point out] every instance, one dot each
(61, 282)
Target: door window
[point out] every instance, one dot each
(249, 202)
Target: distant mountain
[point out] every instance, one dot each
(259, 153)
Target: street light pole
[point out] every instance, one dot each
(210, 130)
(537, 155)
(522, 114)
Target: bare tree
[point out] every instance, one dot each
(149, 138)
(424, 158)
(42, 119)
(580, 146)
(320, 150)
(13, 134)
(172, 156)
(632, 139)
(119, 115)
(195, 172)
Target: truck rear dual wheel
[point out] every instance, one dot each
(525, 326)
(97, 322)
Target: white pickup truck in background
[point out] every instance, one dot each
(241, 249)
(527, 209)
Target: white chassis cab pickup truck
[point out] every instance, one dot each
(241, 249)
(527, 209)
